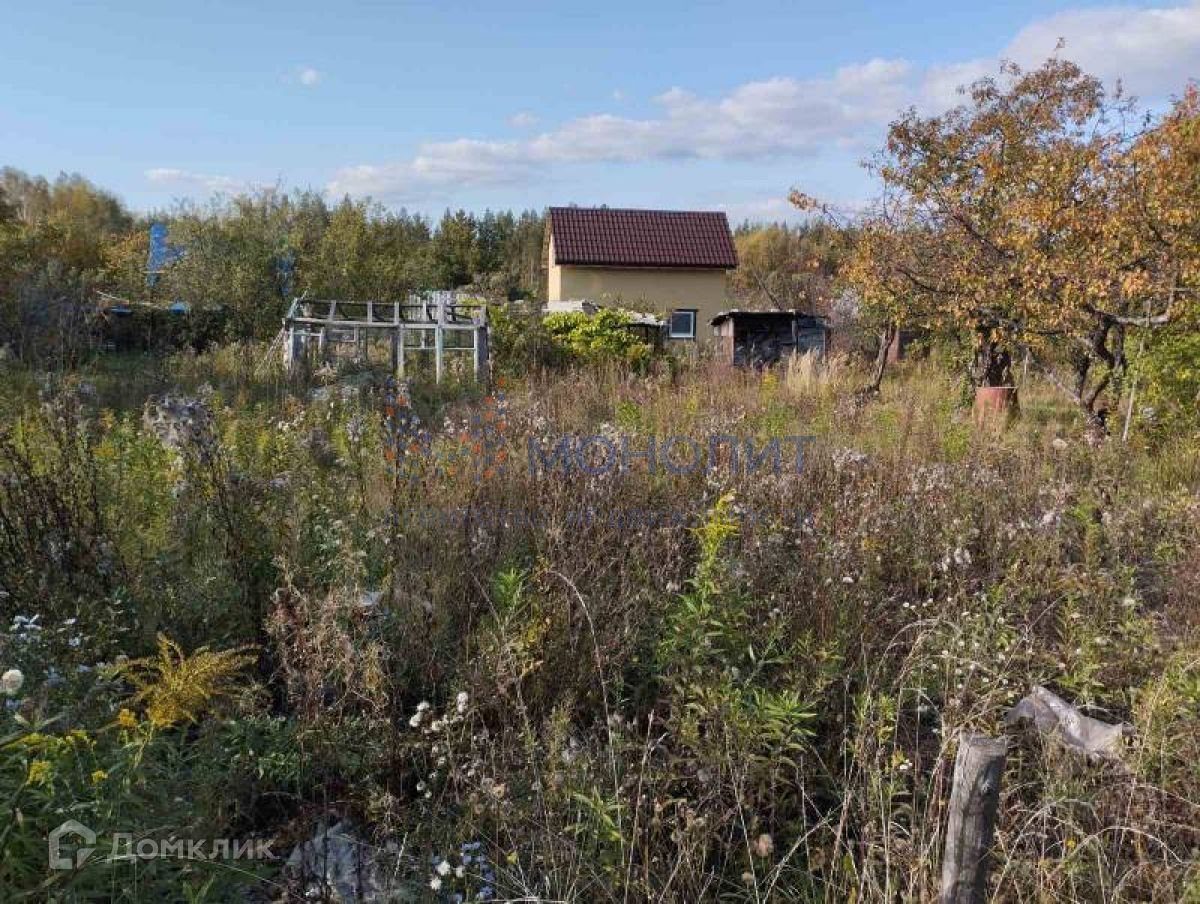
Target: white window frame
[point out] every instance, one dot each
(671, 334)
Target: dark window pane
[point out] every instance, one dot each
(683, 324)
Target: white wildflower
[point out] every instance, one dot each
(460, 702)
(11, 681)
(435, 883)
(443, 868)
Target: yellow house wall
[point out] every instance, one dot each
(663, 290)
(553, 276)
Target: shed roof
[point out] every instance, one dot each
(612, 237)
(737, 314)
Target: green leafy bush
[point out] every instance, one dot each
(1169, 373)
(593, 338)
(519, 341)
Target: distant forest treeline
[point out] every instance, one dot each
(61, 240)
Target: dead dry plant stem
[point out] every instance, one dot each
(608, 727)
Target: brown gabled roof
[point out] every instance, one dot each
(610, 237)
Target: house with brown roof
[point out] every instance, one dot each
(674, 261)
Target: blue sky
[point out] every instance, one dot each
(424, 105)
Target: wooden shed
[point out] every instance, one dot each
(761, 338)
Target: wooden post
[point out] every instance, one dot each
(395, 334)
(475, 349)
(289, 353)
(481, 348)
(400, 355)
(974, 800)
(425, 317)
(365, 339)
(439, 340)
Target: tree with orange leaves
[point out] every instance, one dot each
(1044, 217)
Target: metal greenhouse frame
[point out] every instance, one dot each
(318, 330)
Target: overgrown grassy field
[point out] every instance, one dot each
(717, 683)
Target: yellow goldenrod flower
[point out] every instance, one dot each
(39, 772)
(79, 738)
(126, 719)
(176, 687)
(98, 776)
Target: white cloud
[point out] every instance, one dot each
(1153, 50)
(618, 95)
(780, 116)
(943, 84)
(169, 176)
(778, 209)
(307, 76)
(761, 210)
(522, 120)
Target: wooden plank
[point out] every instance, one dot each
(974, 800)
(362, 324)
(481, 354)
(439, 338)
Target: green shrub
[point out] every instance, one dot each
(518, 337)
(594, 338)
(1168, 397)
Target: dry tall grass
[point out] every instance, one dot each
(687, 684)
